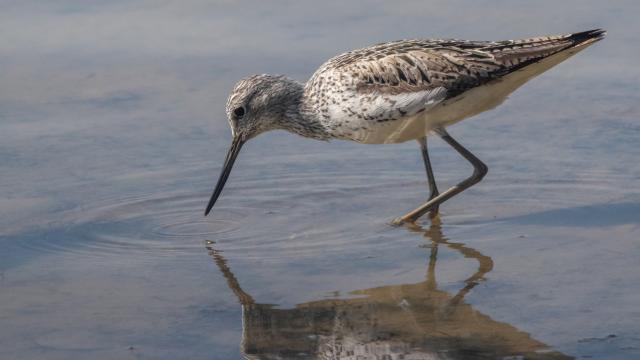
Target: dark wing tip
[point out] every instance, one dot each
(580, 37)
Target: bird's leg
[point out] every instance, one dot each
(479, 171)
(433, 188)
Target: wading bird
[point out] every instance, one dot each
(396, 92)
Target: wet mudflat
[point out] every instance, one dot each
(111, 140)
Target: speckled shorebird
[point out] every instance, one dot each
(395, 92)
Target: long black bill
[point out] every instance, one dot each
(236, 145)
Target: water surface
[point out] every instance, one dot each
(112, 133)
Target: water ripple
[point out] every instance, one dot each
(305, 215)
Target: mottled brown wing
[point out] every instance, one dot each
(417, 65)
(456, 65)
(515, 54)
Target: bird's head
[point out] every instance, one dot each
(257, 104)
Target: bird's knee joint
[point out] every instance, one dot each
(480, 171)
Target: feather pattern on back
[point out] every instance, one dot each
(401, 79)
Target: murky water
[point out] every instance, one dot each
(112, 132)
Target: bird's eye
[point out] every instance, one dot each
(239, 112)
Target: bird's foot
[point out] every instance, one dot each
(399, 221)
(407, 220)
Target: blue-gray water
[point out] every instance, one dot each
(112, 132)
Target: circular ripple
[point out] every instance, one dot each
(290, 216)
(309, 215)
(188, 228)
(144, 227)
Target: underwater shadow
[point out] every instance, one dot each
(599, 215)
(404, 321)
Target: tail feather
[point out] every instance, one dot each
(516, 54)
(587, 36)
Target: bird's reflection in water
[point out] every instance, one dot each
(407, 321)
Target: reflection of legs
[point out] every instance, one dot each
(433, 188)
(434, 233)
(431, 270)
(479, 171)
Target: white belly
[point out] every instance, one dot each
(451, 111)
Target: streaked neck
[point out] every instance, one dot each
(298, 118)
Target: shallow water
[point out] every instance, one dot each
(112, 132)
